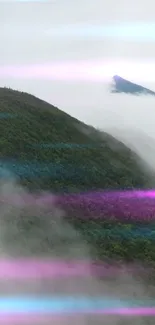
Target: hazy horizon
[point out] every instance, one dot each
(68, 52)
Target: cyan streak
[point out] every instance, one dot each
(137, 233)
(34, 170)
(66, 304)
(127, 31)
(64, 145)
(7, 115)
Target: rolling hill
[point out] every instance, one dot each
(46, 149)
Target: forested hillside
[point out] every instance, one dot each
(46, 149)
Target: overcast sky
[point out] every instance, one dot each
(66, 52)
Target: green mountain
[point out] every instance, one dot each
(49, 150)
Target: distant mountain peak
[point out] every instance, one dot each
(121, 85)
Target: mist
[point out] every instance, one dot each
(32, 226)
(129, 118)
(132, 122)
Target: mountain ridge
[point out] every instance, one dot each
(121, 85)
(37, 122)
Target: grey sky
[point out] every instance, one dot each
(46, 33)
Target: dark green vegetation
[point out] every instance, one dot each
(108, 164)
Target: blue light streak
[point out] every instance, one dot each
(65, 304)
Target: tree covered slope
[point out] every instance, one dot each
(49, 150)
(46, 147)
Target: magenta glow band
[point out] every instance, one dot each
(118, 205)
(124, 205)
(58, 318)
(38, 269)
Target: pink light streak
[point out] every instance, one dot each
(89, 70)
(43, 268)
(32, 268)
(145, 311)
(63, 318)
(82, 70)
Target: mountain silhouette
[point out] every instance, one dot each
(121, 85)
